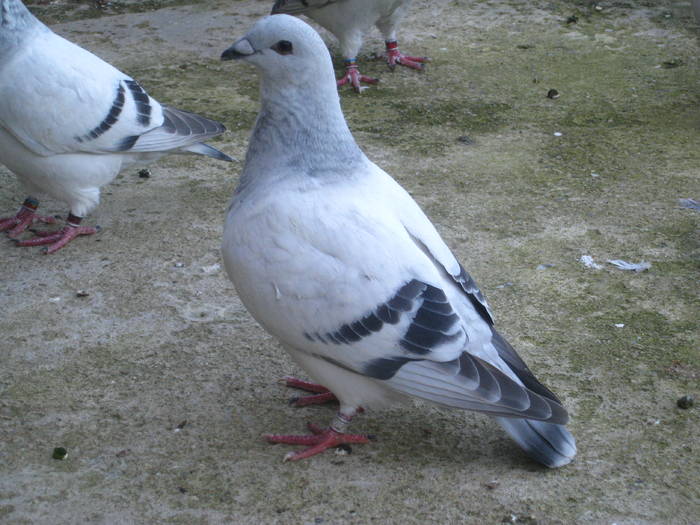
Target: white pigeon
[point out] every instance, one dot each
(348, 20)
(337, 261)
(69, 122)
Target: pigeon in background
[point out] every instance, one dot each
(348, 20)
(337, 261)
(69, 122)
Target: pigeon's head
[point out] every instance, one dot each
(286, 50)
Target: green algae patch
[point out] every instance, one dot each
(466, 114)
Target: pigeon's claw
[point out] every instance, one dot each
(354, 77)
(315, 399)
(318, 441)
(394, 57)
(59, 239)
(321, 394)
(294, 382)
(26, 216)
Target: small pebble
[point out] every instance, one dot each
(673, 63)
(343, 450)
(59, 453)
(558, 134)
(685, 402)
(619, 325)
(179, 265)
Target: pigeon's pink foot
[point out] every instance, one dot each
(353, 77)
(26, 216)
(394, 57)
(319, 440)
(59, 239)
(321, 393)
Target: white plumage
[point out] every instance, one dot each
(349, 20)
(69, 122)
(338, 262)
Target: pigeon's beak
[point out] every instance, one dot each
(241, 49)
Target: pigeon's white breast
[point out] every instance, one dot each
(314, 260)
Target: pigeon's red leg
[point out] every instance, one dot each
(321, 393)
(60, 238)
(320, 439)
(24, 218)
(394, 57)
(353, 77)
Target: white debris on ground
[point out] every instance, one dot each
(588, 262)
(635, 267)
(690, 204)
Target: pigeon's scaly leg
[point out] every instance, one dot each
(394, 56)
(59, 239)
(24, 218)
(320, 439)
(353, 77)
(321, 393)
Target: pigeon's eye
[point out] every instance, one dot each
(283, 47)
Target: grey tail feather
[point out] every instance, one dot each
(549, 443)
(289, 7)
(201, 148)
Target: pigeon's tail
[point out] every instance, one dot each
(201, 148)
(290, 7)
(549, 443)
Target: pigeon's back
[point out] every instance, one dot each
(50, 68)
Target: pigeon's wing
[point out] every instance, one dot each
(426, 236)
(293, 7)
(180, 128)
(56, 97)
(406, 320)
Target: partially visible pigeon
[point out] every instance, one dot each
(339, 263)
(69, 122)
(348, 20)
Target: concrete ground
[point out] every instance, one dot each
(158, 383)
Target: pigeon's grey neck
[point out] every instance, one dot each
(16, 23)
(304, 136)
